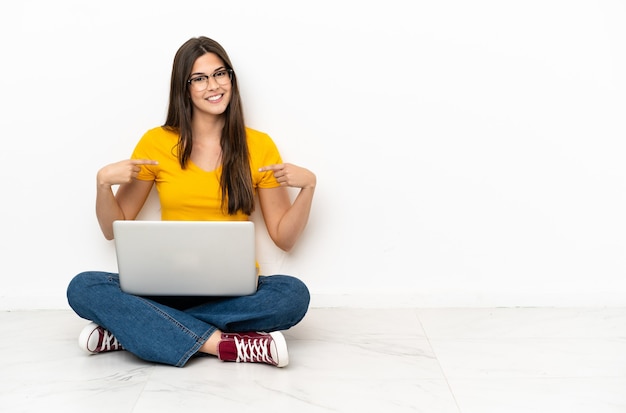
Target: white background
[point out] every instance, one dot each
(468, 153)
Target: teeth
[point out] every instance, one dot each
(215, 97)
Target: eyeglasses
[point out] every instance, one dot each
(200, 83)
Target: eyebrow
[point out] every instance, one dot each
(204, 74)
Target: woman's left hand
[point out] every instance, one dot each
(291, 175)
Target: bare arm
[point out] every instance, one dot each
(286, 221)
(130, 196)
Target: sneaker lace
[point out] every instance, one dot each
(109, 342)
(253, 350)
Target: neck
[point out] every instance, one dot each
(206, 128)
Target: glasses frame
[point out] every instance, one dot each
(230, 72)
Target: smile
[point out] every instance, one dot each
(214, 98)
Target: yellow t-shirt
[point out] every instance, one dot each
(193, 194)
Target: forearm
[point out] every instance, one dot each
(295, 219)
(107, 210)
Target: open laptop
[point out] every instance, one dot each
(179, 258)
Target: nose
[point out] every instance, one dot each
(215, 84)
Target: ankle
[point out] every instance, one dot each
(210, 345)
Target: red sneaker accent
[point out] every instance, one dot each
(269, 348)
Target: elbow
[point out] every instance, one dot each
(107, 233)
(284, 240)
(286, 248)
(285, 245)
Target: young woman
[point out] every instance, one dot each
(207, 165)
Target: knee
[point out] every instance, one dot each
(296, 296)
(81, 288)
(302, 291)
(80, 283)
(304, 297)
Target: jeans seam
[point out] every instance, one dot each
(199, 340)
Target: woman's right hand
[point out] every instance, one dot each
(129, 197)
(121, 172)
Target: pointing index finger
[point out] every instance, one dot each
(144, 162)
(274, 167)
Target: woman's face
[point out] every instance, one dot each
(210, 85)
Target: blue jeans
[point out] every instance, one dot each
(170, 330)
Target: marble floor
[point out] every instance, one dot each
(500, 360)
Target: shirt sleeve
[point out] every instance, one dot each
(145, 149)
(263, 152)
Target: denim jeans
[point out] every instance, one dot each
(170, 330)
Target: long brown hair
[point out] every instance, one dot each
(236, 178)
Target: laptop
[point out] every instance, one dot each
(186, 258)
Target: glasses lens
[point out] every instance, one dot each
(200, 83)
(222, 77)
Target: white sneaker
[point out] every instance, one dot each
(95, 339)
